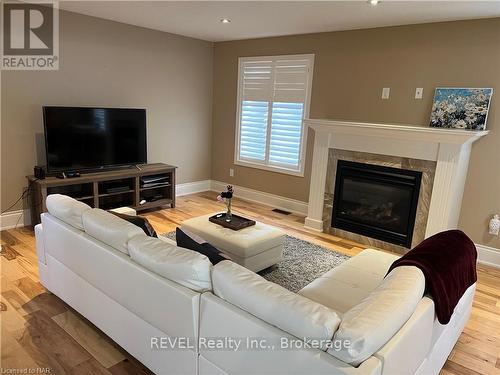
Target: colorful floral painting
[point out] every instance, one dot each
(461, 108)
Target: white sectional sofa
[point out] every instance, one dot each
(139, 290)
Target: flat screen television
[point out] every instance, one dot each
(90, 139)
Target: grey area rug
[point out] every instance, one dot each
(303, 262)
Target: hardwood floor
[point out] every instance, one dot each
(38, 330)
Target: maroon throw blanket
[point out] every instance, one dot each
(448, 261)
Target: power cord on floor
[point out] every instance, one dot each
(24, 195)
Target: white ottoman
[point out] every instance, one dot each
(256, 247)
(125, 211)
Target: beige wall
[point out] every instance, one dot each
(111, 64)
(350, 70)
(104, 63)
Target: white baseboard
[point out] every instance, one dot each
(314, 224)
(192, 187)
(276, 201)
(487, 255)
(20, 218)
(12, 219)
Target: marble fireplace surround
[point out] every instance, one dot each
(427, 168)
(448, 148)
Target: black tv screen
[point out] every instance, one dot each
(81, 138)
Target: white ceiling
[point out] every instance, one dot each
(256, 19)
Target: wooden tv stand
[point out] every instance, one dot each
(107, 189)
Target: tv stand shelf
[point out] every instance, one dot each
(92, 189)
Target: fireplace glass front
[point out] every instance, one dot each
(376, 201)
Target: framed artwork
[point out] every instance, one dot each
(461, 108)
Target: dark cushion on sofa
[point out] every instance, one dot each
(190, 241)
(140, 221)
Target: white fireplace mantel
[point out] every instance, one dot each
(450, 148)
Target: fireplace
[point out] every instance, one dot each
(376, 201)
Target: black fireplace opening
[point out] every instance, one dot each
(376, 201)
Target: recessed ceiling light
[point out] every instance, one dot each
(225, 20)
(373, 2)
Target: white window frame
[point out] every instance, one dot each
(303, 144)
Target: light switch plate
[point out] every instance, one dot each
(419, 92)
(386, 91)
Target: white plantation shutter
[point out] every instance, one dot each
(257, 79)
(253, 129)
(286, 133)
(273, 100)
(256, 83)
(291, 79)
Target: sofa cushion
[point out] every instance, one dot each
(193, 242)
(94, 267)
(274, 304)
(67, 209)
(109, 228)
(352, 281)
(370, 325)
(183, 266)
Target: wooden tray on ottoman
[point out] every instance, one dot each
(236, 223)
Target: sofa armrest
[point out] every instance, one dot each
(406, 350)
(43, 269)
(219, 318)
(40, 244)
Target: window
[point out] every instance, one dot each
(273, 99)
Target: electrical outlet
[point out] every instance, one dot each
(419, 92)
(386, 91)
(231, 172)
